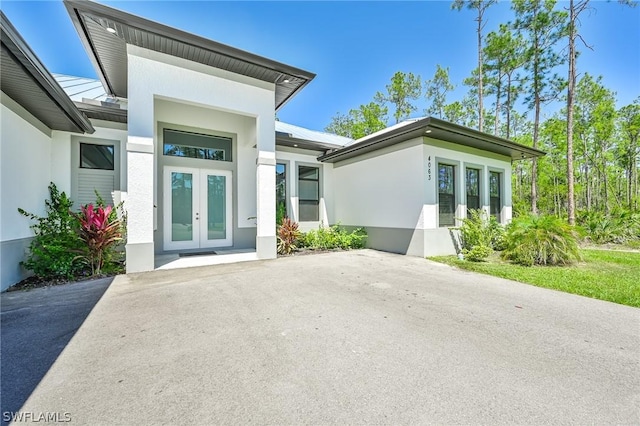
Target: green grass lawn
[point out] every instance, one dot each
(603, 274)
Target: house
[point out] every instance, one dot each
(183, 130)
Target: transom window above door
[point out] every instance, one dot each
(177, 143)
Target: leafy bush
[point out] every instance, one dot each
(335, 237)
(100, 230)
(478, 253)
(622, 227)
(541, 240)
(53, 251)
(480, 234)
(288, 236)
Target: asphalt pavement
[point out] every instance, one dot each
(36, 326)
(360, 337)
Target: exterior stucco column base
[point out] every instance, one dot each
(140, 257)
(266, 247)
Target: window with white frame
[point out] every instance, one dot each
(281, 191)
(308, 194)
(473, 189)
(495, 198)
(446, 195)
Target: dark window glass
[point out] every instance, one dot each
(473, 189)
(446, 195)
(494, 194)
(281, 190)
(96, 156)
(308, 193)
(196, 145)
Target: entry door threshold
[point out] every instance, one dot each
(174, 261)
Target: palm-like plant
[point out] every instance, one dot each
(541, 240)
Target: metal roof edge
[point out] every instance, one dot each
(23, 54)
(424, 124)
(476, 134)
(349, 149)
(76, 7)
(305, 143)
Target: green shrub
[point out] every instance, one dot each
(621, 227)
(541, 240)
(54, 249)
(478, 253)
(335, 237)
(288, 236)
(481, 230)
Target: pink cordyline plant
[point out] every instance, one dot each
(99, 233)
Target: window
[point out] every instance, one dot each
(195, 145)
(446, 195)
(100, 157)
(473, 189)
(494, 193)
(95, 167)
(308, 193)
(281, 191)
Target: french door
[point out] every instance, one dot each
(197, 208)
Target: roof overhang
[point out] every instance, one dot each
(26, 80)
(107, 50)
(283, 139)
(105, 113)
(436, 129)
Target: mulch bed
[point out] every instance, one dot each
(30, 283)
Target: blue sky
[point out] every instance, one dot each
(353, 47)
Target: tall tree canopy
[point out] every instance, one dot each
(403, 89)
(480, 7)
(436, 91)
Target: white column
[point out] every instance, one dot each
(266, 188)
(140, 176)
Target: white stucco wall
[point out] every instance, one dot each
(152, 76)
(25, 173)
(294, 158)
(385, 189)
(62, 160)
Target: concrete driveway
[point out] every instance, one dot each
(36, 327)
(358, 337)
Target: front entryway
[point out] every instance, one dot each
(197, 208)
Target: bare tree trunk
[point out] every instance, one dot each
(534, 164)
(508, 105)
(497, 118)
(480, 76)
(571, 202)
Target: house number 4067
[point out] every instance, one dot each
(429, 168)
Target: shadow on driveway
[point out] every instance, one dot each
(36, 326)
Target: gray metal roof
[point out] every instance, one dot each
(435, 129)
(300, 133)
(79, 88)
(27, 81)
(107, 50)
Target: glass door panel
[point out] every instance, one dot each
(216, 208)
(181, 206)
